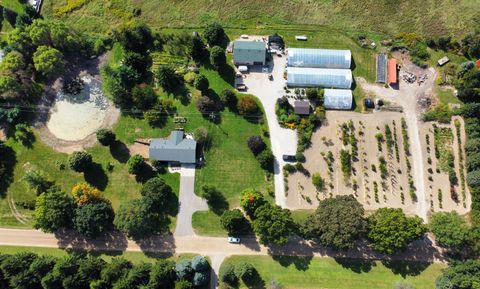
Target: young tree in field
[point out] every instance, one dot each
(48, 61)
(106, 136)
(251, 200)
(201, 83)
(206, 105)
(460, 275)
(247, 105)
(234, 222)
(390, 231)
(214, 34)
(228, 98)
(245, 271)
(80, 161)
(217, 57)
(273, 224)
(143, 96)
(167, 78)
(53, 211)
(266, 158)
(451, 230)
(136, 164)
(256, 144)
(337, 223)
(318, 182)
(227, 274)
(37, 182)
(155, 117)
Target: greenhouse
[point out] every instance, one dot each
(338, 99)
(319, 58)
(319, 77)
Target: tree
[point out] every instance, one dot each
(140, 62)
(137, 277)
(245, 271)
(450, 230)
(200, 264)
(138, 219)
(217, 57)
(184, 269)
(183, 284)
(200, 278)
(79, 161)
(24, 134)
(460, 275)
(318, 181)
(143, 96)
(337, 223)
(227, 274)
(162, 274)
(167, 78)
(136, 164)
(93, 219)
(247, 105)
(234, 222)
(311, 93)
(53, 211)
(12, 61)
(251, 200)
(273, 224)
(15, 264)
(256, 144)
(161, 196)
(390, 231)
(214, 34)
(197, 49)
(112, 272)
(155, 117)
(473, 178)
(48, 61)
(266, 158)
(201, 83)
(134, 36)
(206, 105)
(228, 98)
(106, 136)
(37, 182)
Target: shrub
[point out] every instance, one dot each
(200, 264)
(245, 271)
(251, 200)
(37, 182)
(266, 158)
(80, 161)
(201, 83)
(154, 117)
(256, 144)
(214, 34)
(206, 105)
(247, 105)
(234, 222)
(228, 98)
(473, 178)
(318, 181)
(106, 137)
(136, 164)
(227, 274)
(189, 77)
(217, 57)
(300, 157)
(183, 284)
(200, 278)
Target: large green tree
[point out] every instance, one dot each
(167, 78)
(161, 195)
(214, 34)
(93, 219)
(338, 222)
(460, 275)
(53, 211)
(48, 61)
(217, 57)
(273, 224)
(390, 231)
(234, 222)
(450, 230)
(251, 200)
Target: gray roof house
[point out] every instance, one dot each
(176, 148)
(249, 53)
(301, 107)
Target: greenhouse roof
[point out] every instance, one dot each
(338, 99)
(319, 58)
(319, 77)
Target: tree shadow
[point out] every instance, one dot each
(301, 263)
(356, 265)
(120, 151)
(227, 73)
(7, 164)
(114, 241)
(96, 176)
(406, 268)
(255, 281)
(218, 203)
(145, 174)
(158, 246)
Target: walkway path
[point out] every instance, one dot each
(284, 141)
(189, 202)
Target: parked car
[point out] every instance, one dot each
(234, 240)
(270, 76)
(289, 158)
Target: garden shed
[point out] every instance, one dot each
(319, 58)
(338, 99)
(319, 77)
(176, 148)
(249, 53)
(301, 107)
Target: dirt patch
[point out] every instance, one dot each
(139, 149)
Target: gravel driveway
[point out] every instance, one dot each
(284, 141)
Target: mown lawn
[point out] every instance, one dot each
(206, 223)
(306, 272)
(446, 96)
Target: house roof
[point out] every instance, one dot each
(176, 148)
(301, 107)
(478, 64)
(319, 58)
(392, 70)
(338, 99)
(382, 68)
(249, 51)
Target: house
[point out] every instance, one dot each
(176, 148)
(319, 58)
(301, 107)
(392, 71)
(249, 53)
(478, 64)
(442, 61)
(382, 68)
(341, 99)
(319, 77)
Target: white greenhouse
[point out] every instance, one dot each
(338, 99)
(319, 58)
(319, 77)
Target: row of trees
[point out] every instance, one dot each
(80, 270)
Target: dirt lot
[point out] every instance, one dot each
(365, 180)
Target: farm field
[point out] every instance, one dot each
(308, 272)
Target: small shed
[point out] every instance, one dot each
(301, 37)
(249, 53)
(275, 41)
(341, 99)
(392, 71)
(301, 107)
(442, 61)
(176, 148)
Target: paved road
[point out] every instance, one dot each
(189, 202)
(284, 141)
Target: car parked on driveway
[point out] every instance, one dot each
(289, 158)
(234, 240)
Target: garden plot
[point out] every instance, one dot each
(364, 155)
(75, 117)
(445, 183)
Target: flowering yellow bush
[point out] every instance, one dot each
(83, 194)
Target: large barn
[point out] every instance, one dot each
(319, 77)
(338, 99)
(319, 58)
(249, 53)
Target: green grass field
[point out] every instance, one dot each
(206, 223)
(306, 272)
(446, 96)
